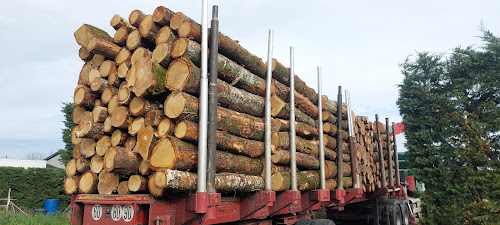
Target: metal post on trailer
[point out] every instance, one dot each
(201, 186)
(340, 184)
(380, 154)
(267, 143)
(396, 158)
(320, 130)
(293, 159)
(388, 144)
(212, 100)
(352, 146)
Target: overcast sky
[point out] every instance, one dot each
(358, 44)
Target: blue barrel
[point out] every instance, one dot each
(51, 205)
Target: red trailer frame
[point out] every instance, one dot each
(211, 208)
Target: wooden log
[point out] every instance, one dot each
(144, 168)
(123, 56)
(161, 54)
(134, 40)
(108, 128)
(84, 54)
(153, 117)
(77, 113)
(104, 47)
(113, 80)
(162, 15)
(119, 137)
(86, 32)
(172, 153)
(130, 143)
(124, 69)
(82, 164)
(88, 183)
(148, 29)
(117, 21)
(303, 160)
(121, 161)
(136, 126)
(331, 106)
(140, 106)
(108, 93)
(184, 106)
(301, 129)
(165, 35)
(229, 48)
(75, 140)
(83, 97)
(120, 117)
(177, 19)
(182, 181)
(282, 74)
(306, 180)
(187, 130)
(89, 129)
(71, 184)
(165, 127)
(123, 188)
(150, 78)
(87, 147)
(76, 151)
(98, 59)
(137, 183)
(135, 17)
(99, 114)
(108, 183)
(124, 94)
(144, 139)
(83, 78)
(71, 168)
(331, 184)
(107, 67)
(102, 145)
(96, 164)
(98, 84)
(281, 109)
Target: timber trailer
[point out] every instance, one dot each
(386, 205)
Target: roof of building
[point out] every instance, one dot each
(51, 156)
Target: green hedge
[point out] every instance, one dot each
(30, 187)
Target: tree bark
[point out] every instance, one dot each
(282, 74)
(306, 180)
(104, 47)
(187, 130)
(86, 32)
(184, 106)
(303, 160)
(301, 129)
(281, 109)
(117, 21)
(88, 183)
(136, 17)
(162, 15)
(121, 161)
(108, 183)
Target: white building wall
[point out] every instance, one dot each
(54, 161)
(23, 163)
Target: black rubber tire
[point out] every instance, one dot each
(304, 222)
(322, 222)
(396, 215)
(405, 212)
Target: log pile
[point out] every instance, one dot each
(137, 107)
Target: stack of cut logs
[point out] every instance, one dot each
(137, 115)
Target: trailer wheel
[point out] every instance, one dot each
(405, 212)
(304, 222)
(396, 215)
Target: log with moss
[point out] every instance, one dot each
(306, 180)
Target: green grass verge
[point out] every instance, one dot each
(33, 219)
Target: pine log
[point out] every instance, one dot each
(148, 29)
(119, 137)
(130, 143)
(99, 114)
(108, 183)
(121, 161)
(150, 78)
(75, 140)
(282, 140)
(331, 106)
(165, 35)
(137, 183)
(113, 80)
(98, 58)
(96, 164)
(84, 54)
(108, 93)
(104, 47)
(303, 160)
(135, 40)
(89, 129)
(187, 130)
(71, 168)
(153, 117)
(107, 67)
(108, 128)
(88, 183)
(154, 189)
(136, 126)
(165, 127)
(123, 56)
(123, 188)
(330, 129)
(86, 32)
(331, 184)
(83, 97)
(98, 84)
(135, 17)
(181, 181)
(184, 106)
(144, 139)
(161, 54)
(282, 74)
(76, 151)
(87, 147)
(172, 153)
(144, 168)
(83, 78)
(162, 15)
(139, 53)
(112, 104)
(82, 164)
(77, 113)
(302, 129)
(281, 109)
(306, 180)
(120, 117)
(140, 106)
(124, 94)
(177, 19)
(124, 69)
(71, 184)
(229, 48)
(117, 21)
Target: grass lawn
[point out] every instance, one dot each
(35, 219)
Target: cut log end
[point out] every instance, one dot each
(180, 129)
(144, 139)
(88, 183)
(177, 20)
(71, 185)
(137, 105)
(164, 127)
(145, 26)
(164, 35)
(136, 126)
(71, 168)
(175, 103)
(119, 116)
(163, 155)
(133, 40)
(177, 74)
(123, 188)
(179, 47)
(161, 53)
(137, 183)
(122, 56)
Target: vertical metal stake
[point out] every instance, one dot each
(268, 113)
(352, 144)
(293, 159)
(380, 154)
(340, 153)
(202, 138)
(212, 100)
(322, 181)
(396, 158)
(388, 146)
